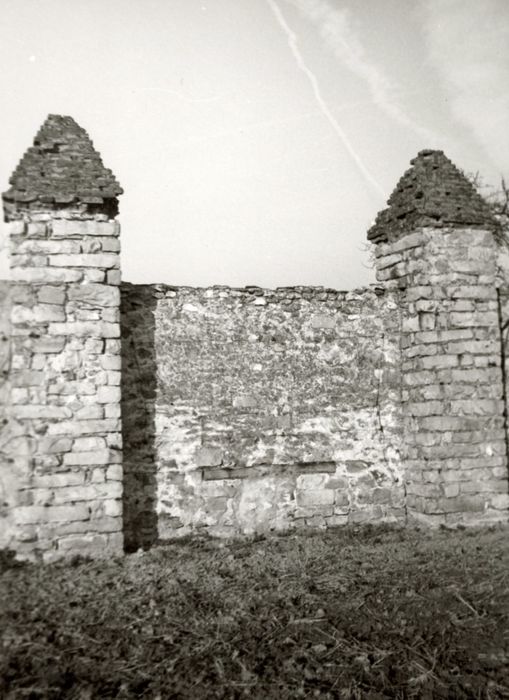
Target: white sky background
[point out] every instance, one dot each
(257, 139)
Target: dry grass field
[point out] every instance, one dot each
(351, 613)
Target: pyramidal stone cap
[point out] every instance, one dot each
(433, 192)
(62, 168)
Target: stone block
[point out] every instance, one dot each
(457, 505)
(388, 261)
(476, 347)
(411, 240)
(426, 408)
(92, 543)
(418, 378)
(100, 329)
(114, 378)
(113, 277)
(471, 292)
(472, 267)
(93, 275)
(111, 362)
(51, 514)
(75, 428)
(40, 313)
(68, 228)
(54, 445)
(451, 490)
(48, 345)
(109, 244)
(439, 361)
(209, 457)
(500, 501)
(112, 410)
(108, 394)
(114, 472)
(245, 401)
(51, 294)
(19, 395)
(97, 295)
(112, 347)
(478, 376)
(482, 486)
(312, 510)
(47, 247)
(90, 411)
(315, 497)
(90, 245)
(43, 412)
(477, 407)
(323, 321)
(36, 228)
(464, 319)
(58, 479)
(111, 315)
(427, 321)
(113, 508)
(311, 482)
(42, 275)
(87, 444)
(103, 228)
(410, 324)
(96, 260)
(17, 228)
(90, 458)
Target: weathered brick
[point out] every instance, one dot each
(209, 457)
(108, 394)
(99, 295)
(37, 314)
(100, 329)
(51, 514)
(76, 428)
(51, 294)
(312, 497)
(111, 362)
(98, 260)
(439, 361)
(45, 275)
(86, 444)
(89, 458)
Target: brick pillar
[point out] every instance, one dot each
(65, 363)
(436, 243)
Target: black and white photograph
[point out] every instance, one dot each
(254, 349)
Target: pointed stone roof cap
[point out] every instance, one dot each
(62, 168)
(433, 192)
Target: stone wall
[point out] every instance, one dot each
(8, 480)
(62, 446)
(453, 385)
(246, 410)
(439, 244)
(65, 377)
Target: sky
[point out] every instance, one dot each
(256, 140)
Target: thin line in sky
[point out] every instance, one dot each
(269, 123)
(292, 43)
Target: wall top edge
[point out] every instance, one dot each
(252, 291)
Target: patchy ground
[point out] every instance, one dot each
(366, 613)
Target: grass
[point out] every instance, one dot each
(352, 613)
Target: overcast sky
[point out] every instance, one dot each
(257, 139)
